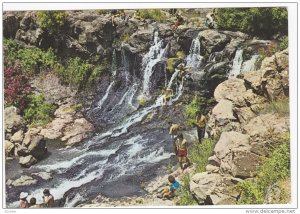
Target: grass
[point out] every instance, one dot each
(199, 157)
(273, 171)
(154, 14)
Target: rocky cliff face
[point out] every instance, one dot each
(246, 133)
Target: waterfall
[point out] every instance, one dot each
(194, 58)
(237, 64)
(174, 75)
(125, 64)
(114, 73)
(155, 54)
(249, 65)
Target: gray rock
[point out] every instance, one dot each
(230, 140)
(29, 134)
(21, 150)
(213, 41)
(24, 181)
(11, 23)
(27, 161)
(12, 120)
(37, 147)
(44, 175)
(233, 87)
(9, 148)
(18, 136)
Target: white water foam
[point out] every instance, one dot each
(249, 65)
(194, 58)
(237, 64)
(71, 203)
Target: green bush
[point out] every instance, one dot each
(38, 112)
(201, 152)
(191, 110)
(33, 60)
(274, 169)
(284, 44)
(51, 21)
(155, 14)
(280, 106)
(264, 22)
(184, 194)
(75, 71)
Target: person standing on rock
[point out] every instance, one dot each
(181, 144)
(179, 21)
(200, 124)
(48, 198)
(23, 201)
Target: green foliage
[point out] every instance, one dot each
(191, 110)
(201, 152)
(38, 112)
(274, 169)
(52, 21)
(155, 14)
(170, 64)
(263, 22)
(125, 38)
(75, 71)
(33, 60)
(284, 44)
(142, 101)
(280, 106)
(180, 54)
(184, 194)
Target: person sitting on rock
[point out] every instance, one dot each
(200, 124)
(183, 160)
(23, 201)
(114, 14)
(179, 21)
(48, 198)
(169, 191)
(33, 203)
(209, 22)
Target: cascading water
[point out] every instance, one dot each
(116, 160)
(194, 58)
(249, 65)
(155, 54)
(237, 64)
(114, 72)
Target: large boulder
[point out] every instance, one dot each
(232, 87)
(18, 137)
(223, 111)
(213, 188)
(9, 148)
(24, 181)
(228, 141)
(12, 120)
(31, 132)
(213, 41)
(80, 126)
(37, 147)
(11, 23)
(27, 161)
(54, 130)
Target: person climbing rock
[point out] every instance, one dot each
(23, 200)
(182, 146)
(179, 21)
(200, 124)
(169, 191)
(183, 72)
(174, 128)
(33, 203)
(48, 198)
(209, 22)
(167, 95)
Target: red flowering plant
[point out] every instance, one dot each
(16, 86)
